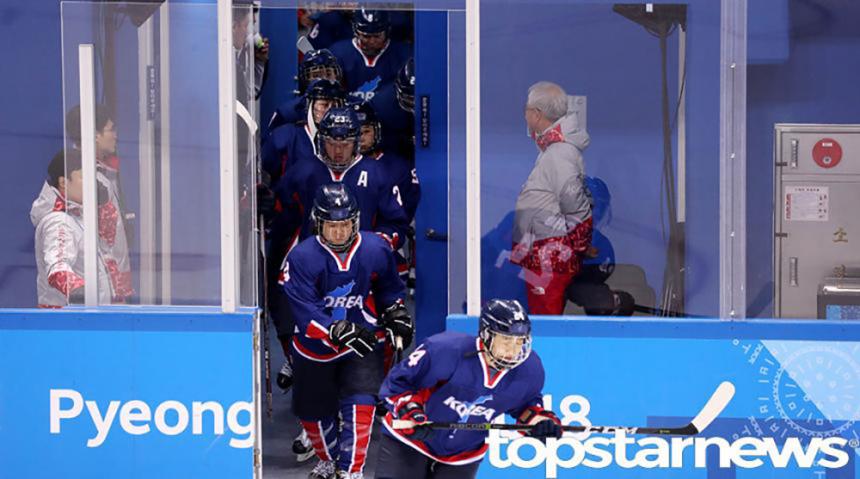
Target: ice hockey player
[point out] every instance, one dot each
(394, 104)
(454, 377)
(316, 64)
(289, 142)
(371, 58)
(337, 350)
(339, 160)
(399, 169)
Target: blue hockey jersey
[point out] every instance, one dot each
(398, 125)
(447, 374)
(329, 27)
(402, 173)
(284, 146)
(363, 75)
(290, 111)
(380, 206)
(323, 287)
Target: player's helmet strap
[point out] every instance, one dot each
(337, 248)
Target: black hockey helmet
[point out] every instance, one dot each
(334, 202)
(404, 85)
(318, 64)
(505, 318)
(324, 89)
(370, 22)
(367, 117)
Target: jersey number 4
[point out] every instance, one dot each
(415, 357)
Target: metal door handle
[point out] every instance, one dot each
(792, 271)
(794, 153)
(434, 235)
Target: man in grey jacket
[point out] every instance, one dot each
(552, 223)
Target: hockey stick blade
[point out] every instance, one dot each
(715, 405)
(304, 45)
(718, 402)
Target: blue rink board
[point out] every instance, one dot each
(154, 356)
(796, 379)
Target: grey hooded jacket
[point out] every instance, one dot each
(554, 198)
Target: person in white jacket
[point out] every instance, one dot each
(57, 216)
(116, 245)
(552, 221)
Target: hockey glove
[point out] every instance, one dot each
(265, 197)
(398, 324)
(413, 411)
(285, 377)
(546, 429)
(346, 333)
(544, 423)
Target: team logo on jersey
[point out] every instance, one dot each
(464, 409)
(368, 89)
(339, 300)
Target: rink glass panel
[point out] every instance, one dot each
(803, 171)
(651, 160)
(156, 73)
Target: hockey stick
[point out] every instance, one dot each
(267, 357)
(304, 45)
(398, 349)
(396, 345)
(715, 405)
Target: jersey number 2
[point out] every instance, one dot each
(285, 271)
